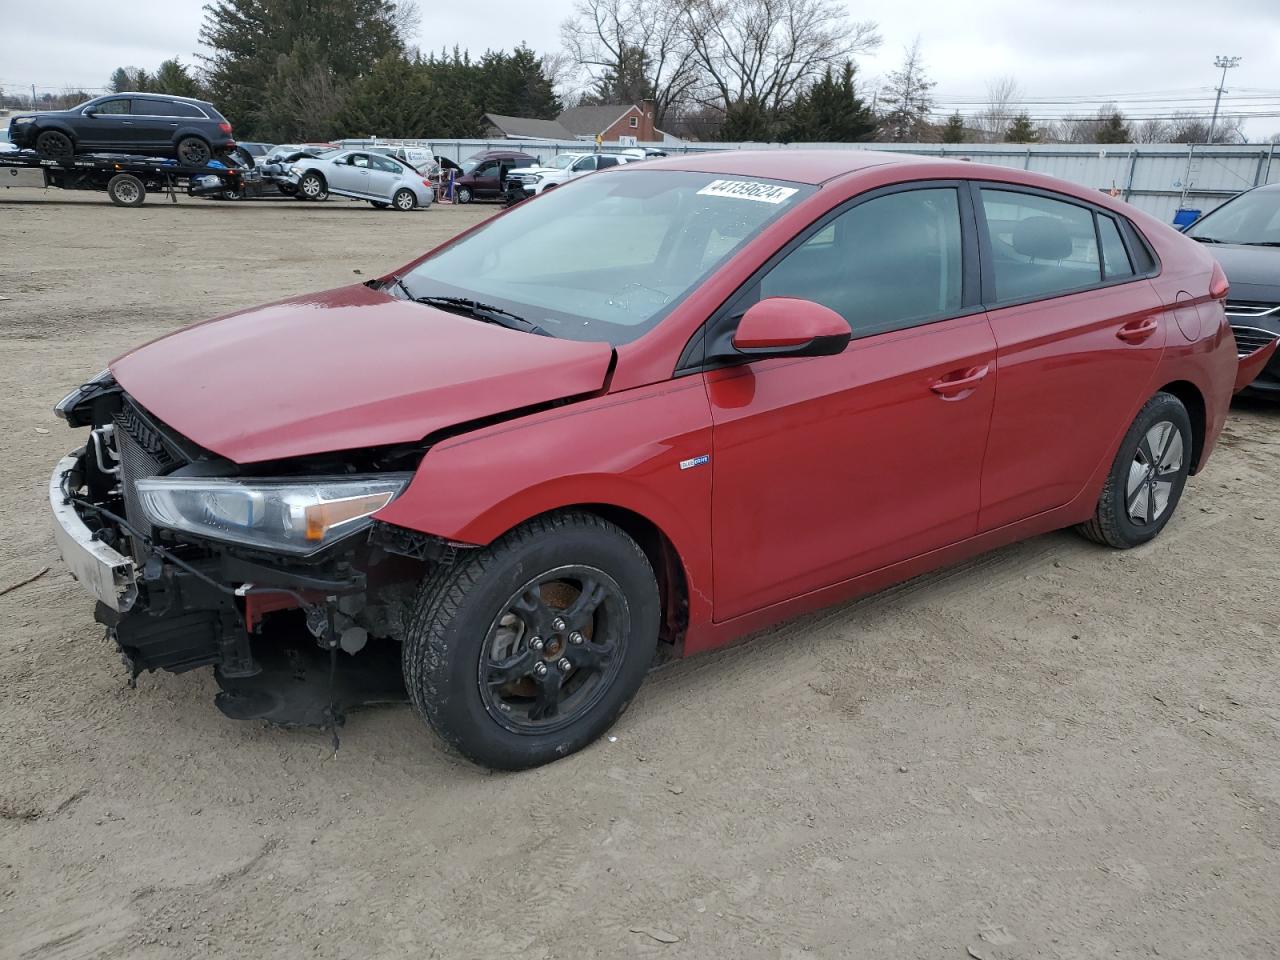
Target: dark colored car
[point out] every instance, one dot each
(192, 131)
(635, 418)
(1244, 236)
(484, 176)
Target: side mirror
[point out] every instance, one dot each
(788, 327)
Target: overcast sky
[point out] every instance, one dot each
(1095, 48)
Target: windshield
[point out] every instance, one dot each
(1251, 218)
(469, 165)
(562, 161)
(608, 256)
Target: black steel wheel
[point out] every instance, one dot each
(55, 145)
(530, 648)
(126, 190)
(194, 152)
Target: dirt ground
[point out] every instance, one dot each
(1054, 750)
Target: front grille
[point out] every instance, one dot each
(1251, 309)
(143, 453)
(1251, 339)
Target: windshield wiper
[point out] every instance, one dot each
(1259, 243)
(485, 312)
(1207, 240)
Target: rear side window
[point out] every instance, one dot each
(608, 162)
(387, 166)
(1115, 258)
(1039, 247)
(887, 263)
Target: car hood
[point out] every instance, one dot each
(345, 369)
(1253, 272)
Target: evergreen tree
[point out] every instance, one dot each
(315, 49)
(514, 85)
(627, 81)
(395, 99)
(953, 131)
(1021, 130)
(831, 111)
(747, 120)
(907, 99)
(129, 79)
(1113, 129)
(172, 77)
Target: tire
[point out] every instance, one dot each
(1136, 503)
(312, 187)
(193, 152)
(462, 195)
(378, 204)
(465, 614)
(55, 145)
(404, 200)
(230, 195)
(126, 190)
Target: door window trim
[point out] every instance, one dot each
(1129, 234)
(724, 318)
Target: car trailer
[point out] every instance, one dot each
(125, 178)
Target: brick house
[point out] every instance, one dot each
(611, 121)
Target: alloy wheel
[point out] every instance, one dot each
(553, 649)
(1153, 472)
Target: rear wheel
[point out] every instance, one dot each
(55, 145)
(194, 152)
(126, 190)
(312, 187)
(532, 647)
(404, 200)
(1147, 477)
(378, 204)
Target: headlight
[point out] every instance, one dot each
(72, 400)
(297, 170)
(23, 120)
(532, 177)
(288, 515)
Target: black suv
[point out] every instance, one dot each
(151, 123)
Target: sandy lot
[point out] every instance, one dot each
(1055, 750)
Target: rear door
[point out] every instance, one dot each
(384, 177)
(1079, 335)
(825, 468)
(153, 122)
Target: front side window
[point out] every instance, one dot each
(1039, 247)
(359, 160)
(585, 164)
(1252, 219)
(606, 258)
(887, 263)
(114, 107)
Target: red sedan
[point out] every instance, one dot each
(636, 418)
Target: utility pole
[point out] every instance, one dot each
(1226, 63)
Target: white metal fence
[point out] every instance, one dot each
(1157, 178)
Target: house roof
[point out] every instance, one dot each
(526, 128)
(588, 121)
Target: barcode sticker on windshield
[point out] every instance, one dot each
(748, 190)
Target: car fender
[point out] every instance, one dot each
(646, 451)
(43, 125)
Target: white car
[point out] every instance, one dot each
(562, 168)
(361, 175)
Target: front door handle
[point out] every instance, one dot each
(1138, 330)
(959, 383)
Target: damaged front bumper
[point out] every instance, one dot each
(105, 572)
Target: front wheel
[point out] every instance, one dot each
(529, 649)
(378, 204)
(1147, 476)
(55, 145)
(312, 187)
(463, 195)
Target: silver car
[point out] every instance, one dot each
(361, 175)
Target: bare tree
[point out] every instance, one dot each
(1154, 130)
(763, 52)
(993, 119)
(906, 99)
(604, 36)
(405, 20)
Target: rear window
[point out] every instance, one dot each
(1115, 259)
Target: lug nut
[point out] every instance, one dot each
(536, 643)
(575, 637)
(558, 623)
(564, 665)
(540, 669)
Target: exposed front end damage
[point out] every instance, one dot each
(295, 635)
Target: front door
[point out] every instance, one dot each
(1079, 335)
(487, 179)
(110, 127)
(351, 175)
(829, 467)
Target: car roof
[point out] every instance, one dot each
(799, 166)
(154, 96)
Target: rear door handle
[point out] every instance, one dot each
(959, 382)
(1138, 330)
